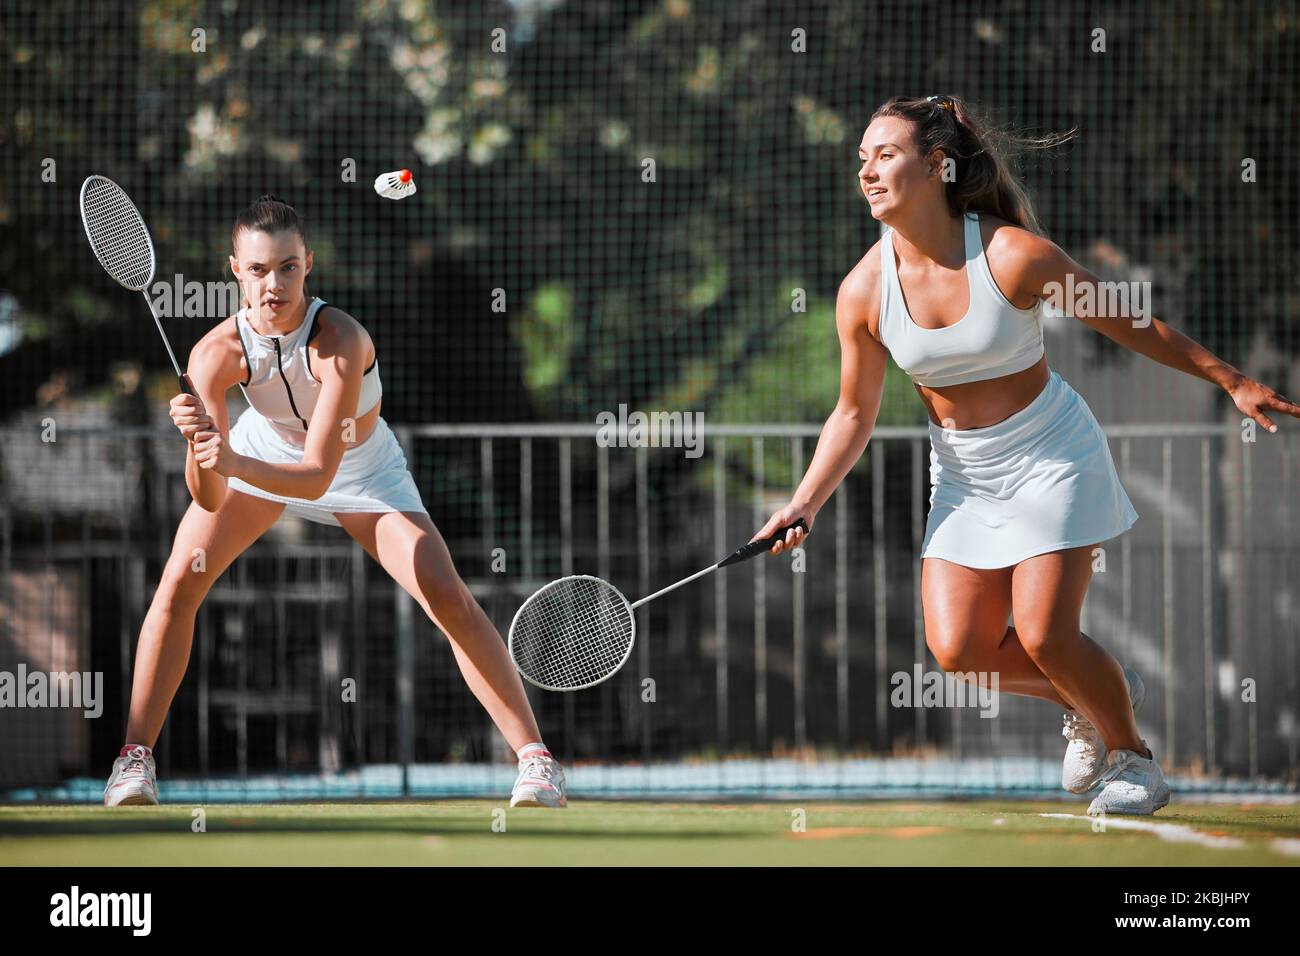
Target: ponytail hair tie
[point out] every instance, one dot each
(944, 102)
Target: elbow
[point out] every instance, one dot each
(854, 420)
(320, 483)
(211, 502)
(209, 493)
(852, 415)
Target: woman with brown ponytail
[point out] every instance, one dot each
(311, 442)
(1023, 486)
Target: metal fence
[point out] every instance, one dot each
(786, 656)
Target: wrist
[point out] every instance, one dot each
(1228, 378)
(805, 505)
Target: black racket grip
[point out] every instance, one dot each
(188, 389)
(755, 548)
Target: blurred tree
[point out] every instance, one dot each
(530, 127)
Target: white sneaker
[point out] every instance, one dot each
(540, 782)
(133, 781)
(1085, 754)
(1134, 785)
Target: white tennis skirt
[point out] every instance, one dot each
(1039, 481)
(372, 476)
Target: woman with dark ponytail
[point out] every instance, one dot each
(1023, 486)
(311, 442)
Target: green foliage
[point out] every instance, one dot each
(529, 164)
(545, 335)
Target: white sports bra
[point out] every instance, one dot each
(280, 385)
(993, 339)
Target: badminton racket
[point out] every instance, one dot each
(121, 243)
(578, 631)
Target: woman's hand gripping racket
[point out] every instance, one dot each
(122, 244)
(579, 630)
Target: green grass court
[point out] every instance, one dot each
(460, 832)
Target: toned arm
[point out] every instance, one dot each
(341, 349)
(1040, 268)
(212, 369)
(862, 376)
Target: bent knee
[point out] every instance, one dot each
(1039, 641)
(181, 587)
(963, 649)
(448, 600)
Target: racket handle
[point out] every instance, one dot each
(188, 389)
(755, 548)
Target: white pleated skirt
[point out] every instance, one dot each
(372, 476)
(1041, 480)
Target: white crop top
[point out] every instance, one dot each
(993, 339)
(280, 385)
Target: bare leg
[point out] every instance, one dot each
(966, 627)
(1047, 593)
(1018, 673)
(162, 652)
(413, 552)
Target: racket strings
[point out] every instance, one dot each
(572, 633)
(118, 235)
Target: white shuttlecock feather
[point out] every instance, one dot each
(396, 185)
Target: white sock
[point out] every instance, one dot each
(529, 749)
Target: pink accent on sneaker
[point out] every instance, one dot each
(126, 750)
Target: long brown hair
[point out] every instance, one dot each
(270, 214)
(984, 181)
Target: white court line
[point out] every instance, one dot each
(1285, 845)
(1173, 832)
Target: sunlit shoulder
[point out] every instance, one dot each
(1019, 259)
(217, 357)
(858, 299)
(341, 342)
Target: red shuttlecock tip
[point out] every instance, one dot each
(405, 176)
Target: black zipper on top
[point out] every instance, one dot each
(280, 365)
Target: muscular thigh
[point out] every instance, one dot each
(1047, 592)
(220, 536)
(965, 610)
(411, 550)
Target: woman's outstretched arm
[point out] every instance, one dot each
(1044, 270)
(845, 435)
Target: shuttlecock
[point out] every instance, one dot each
(396, 185)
